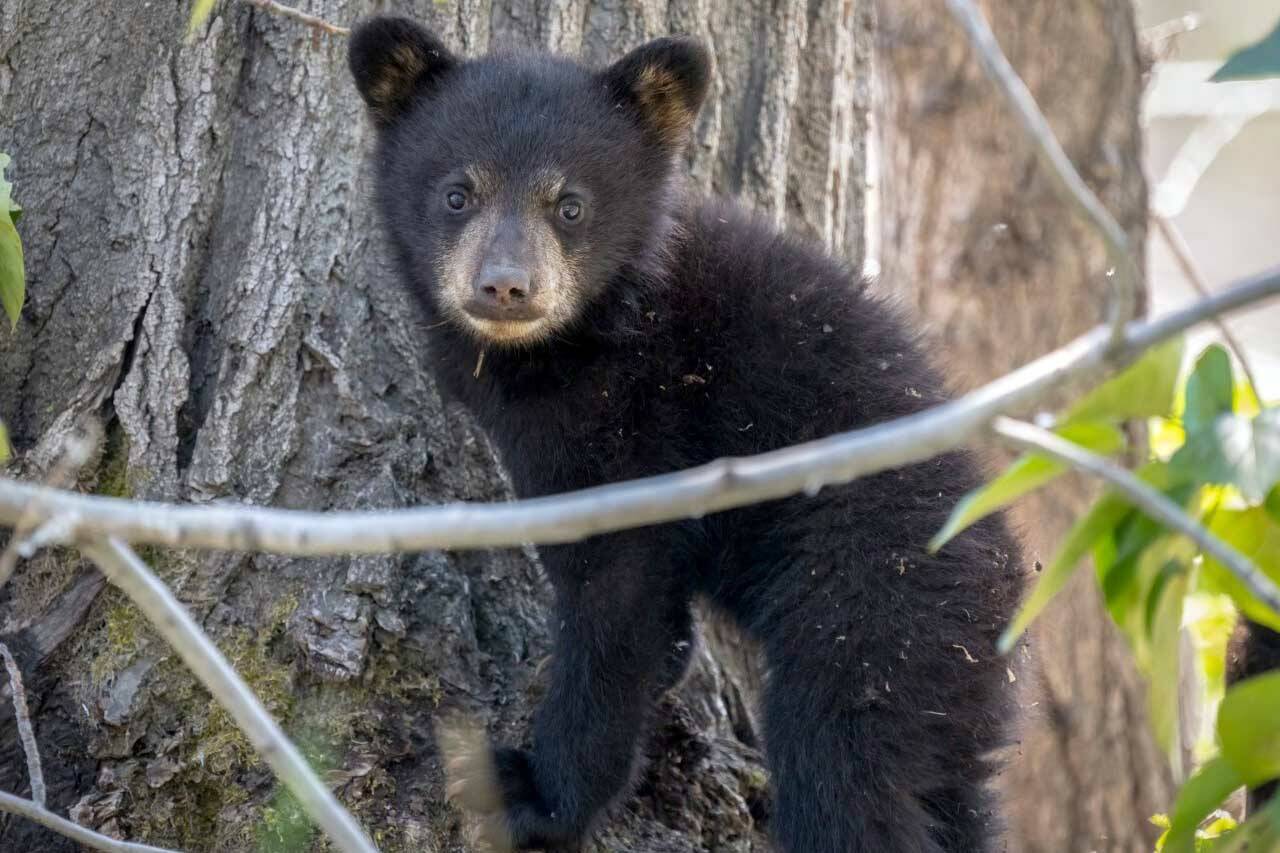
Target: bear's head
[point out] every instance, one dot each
(516, 188)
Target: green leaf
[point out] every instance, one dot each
(1105, 514)
(13, 289)
(1213, 833)
(200, 12)
(1221, 824)
(1094, 527)
(1209, 390)
(1026, 474)
(1236, 451)
(1256, 535)
(1133, 559)
(1117, 564)
(1261, 832)
(1171, 570)
(1272, 503)
(1146, 389)
(1256, 61)
(5, 450)
(285, 826)
(1208, 624)
(1166, 624)
(1200, 795)
(1249, 728)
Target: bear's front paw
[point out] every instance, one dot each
(498, 786)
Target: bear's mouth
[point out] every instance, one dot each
(512, 312)
(507, 329)
(509, 322)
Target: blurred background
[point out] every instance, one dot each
(1230, 217)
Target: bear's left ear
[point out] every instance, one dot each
(665, 82)
(392, 59)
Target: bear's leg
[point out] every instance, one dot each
(884, 698)
(838, 785)
(623, 628)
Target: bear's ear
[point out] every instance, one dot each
(392, 59)
(665, 81)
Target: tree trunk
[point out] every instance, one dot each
(206, 281)
(1002, 271)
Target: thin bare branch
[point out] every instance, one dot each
(1125, 276)
(75, 454)
(1027, 437)
(124, 569)
(300, 16)
(572, 516)
(1182, 251)
(1160, 36)
(25, 733)
(1201, 148)
(1177, 244)
(59, 530)
(76, 832)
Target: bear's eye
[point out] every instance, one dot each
(570, 210)
(455, 199)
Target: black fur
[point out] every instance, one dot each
(1254, 649)
(705, 334)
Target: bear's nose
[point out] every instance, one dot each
(503, 285)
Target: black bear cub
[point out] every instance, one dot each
(602, 325)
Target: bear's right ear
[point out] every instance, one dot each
(665, 81)
(393, 59)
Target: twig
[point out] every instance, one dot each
(1027, 437)
(124, 569)
(77, 451)
(1186, 262)
(1125, 277)
(572, 516)
(25, 733)
(1166, 31)
(59, 530)
(1204, 144)
(76, 832)
(299, 16)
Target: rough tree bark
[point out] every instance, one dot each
(206, 281)
(1002, 271)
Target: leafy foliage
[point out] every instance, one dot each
(1215, 451)
(1256, 61)
(12, 272)
(1235, 451)
(1255, 534)
(1027, 474)
(1249, 732)
(1249, 728)
(1146, 389)
(1202, 793)
(1104, 516)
